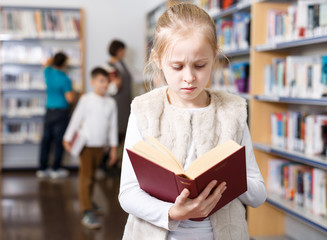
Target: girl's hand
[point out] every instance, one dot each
(186, 208)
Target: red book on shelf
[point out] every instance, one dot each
(161, 175)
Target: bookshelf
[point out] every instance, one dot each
(29, 36)
(279, 218)
(233, 29)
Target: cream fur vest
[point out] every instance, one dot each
(224, 119)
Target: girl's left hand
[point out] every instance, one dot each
(186, 208)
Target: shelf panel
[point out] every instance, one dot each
(306, 101)
(236, 53)
(290, 44)
(314, 161)
(241, 6)
(17, 90)
(36, 65)
(8, 7)
(9, 38)
(22, 117)
(271, 238)
(304, 215)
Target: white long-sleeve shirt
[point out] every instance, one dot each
(138, 203)
(95, 117)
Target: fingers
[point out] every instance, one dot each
(205, 193)
(219, 191)
(181, 199)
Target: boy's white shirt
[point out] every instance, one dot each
(95, 117)
(156, 211)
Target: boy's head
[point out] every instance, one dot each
(100, 81)
(60, 60)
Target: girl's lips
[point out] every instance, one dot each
(190, 89)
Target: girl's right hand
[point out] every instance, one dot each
(186, 208)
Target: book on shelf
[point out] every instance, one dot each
(299, 131)
(161, 175)
(296, 77)
(40, 23)
(286, 25)
(304, 185)
(233, 78)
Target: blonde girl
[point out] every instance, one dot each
(190, 120)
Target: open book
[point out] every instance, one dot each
(161, 175)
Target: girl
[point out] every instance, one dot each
(189, 120)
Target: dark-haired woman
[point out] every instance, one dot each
(59, 95)
(119, 88)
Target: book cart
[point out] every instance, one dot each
(29, 36)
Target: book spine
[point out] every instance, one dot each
(183, 182)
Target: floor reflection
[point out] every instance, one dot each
(34, 209)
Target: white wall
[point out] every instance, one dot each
(106, 20)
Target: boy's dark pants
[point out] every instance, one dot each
(55, 124)
(90, 159)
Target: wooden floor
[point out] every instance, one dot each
(34, 209)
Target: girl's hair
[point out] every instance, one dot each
(176, 22)
(114, 46)
(59, 59)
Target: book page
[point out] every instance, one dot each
(154, 142)
(211, 158)
(151, 153)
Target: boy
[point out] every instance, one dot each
(95, 118)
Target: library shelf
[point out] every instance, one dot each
(305, 101)
(9, 38)
(279, 237)
(38, 33)
(302, 214)
(32, 65)
(311, 160)
(290, 44)
(236, 53)
(241, 6)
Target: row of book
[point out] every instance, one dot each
(301, 19)
(38, 23)
(234, 78)
(297, 76)
(36, 54)
(21, 132)
(234, 32)
(304, 185)
(24, 80)
(299, 131)
(215, 6)
(34, 79)
(23, 106)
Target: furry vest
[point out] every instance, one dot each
(223, 119)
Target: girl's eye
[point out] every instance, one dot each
(200, 66)
(177, 67)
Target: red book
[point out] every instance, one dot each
(161, 175)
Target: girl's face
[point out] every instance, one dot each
(187, 69)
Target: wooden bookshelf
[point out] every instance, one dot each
(34, 34)
(272, 218)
